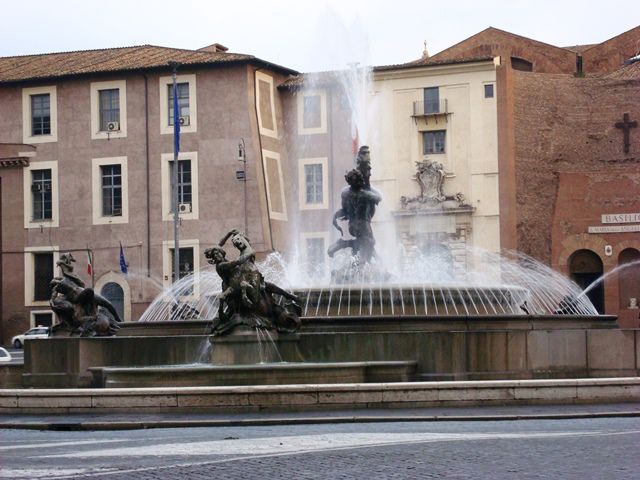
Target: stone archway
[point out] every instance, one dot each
(105, 284)
(629, 277)
(585, 267)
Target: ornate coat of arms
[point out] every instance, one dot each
(430, 176)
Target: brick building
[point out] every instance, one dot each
(568, 157)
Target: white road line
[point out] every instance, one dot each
(49, 444)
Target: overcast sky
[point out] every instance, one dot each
(304, 35)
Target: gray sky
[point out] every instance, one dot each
(304, 35)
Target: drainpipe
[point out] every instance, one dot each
(146, 168)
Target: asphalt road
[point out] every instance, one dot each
(602, 448)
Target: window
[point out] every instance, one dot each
(434, 141)
(187, 185)
(41, 114)
(316, 254)
(313, 182)
(42, 319)
(187, 103)
(39, 268)
(488, 90)
(312, 112)
(115, 294)
(40, 194)
(184, 183)
(111, 190)
(432, 100)
(108, 104)
(183, 101)
(42, 275)
(189, 264)
(42, 206)
(109, 108)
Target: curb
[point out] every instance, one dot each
(258, 422)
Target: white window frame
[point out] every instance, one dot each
(323, 112)
(164, 83)
(167, 266)
(96, 180)
(272, 213)
(95, 87)
(302, 183)
(33, 313)
(113, 277)
(27, 118)
(29, 277)
(28, 203)
(165, 172)
(304, 236)
(263, 130)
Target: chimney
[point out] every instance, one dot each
(214, 48)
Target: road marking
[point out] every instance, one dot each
(49, 444)
(305, 443)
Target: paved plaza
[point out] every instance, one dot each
(570, 449)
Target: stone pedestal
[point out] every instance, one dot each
(250, 346)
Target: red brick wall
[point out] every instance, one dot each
(494, 42)
(571, 166)
(610, 55)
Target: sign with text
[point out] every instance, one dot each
(614, 229)
(621, 218)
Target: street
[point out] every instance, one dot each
(569, 449)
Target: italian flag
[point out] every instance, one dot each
(89, 263)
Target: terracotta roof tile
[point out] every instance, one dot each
(627, 72)
(51, 65)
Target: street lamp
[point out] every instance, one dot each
(242, 175)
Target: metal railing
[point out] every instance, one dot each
(422, 108)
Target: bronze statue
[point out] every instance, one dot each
(247, 298)
(358, 206)
(79, 309)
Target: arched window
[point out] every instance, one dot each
(521, 64)
(629, 276)
(114, 293)
(585, 267)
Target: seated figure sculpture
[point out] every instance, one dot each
(247, 298)
(80, 310)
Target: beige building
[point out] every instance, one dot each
(85, 160)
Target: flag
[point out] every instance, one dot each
(176, 119)
(89, 263)
(123, 262)
(354, 135)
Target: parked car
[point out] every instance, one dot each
(4, 355)
(37, 332)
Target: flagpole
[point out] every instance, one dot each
(175, 193)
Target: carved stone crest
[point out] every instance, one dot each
(430, 177)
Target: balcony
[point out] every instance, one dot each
(426, 109)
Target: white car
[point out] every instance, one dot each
(4, 355)
(37, 332)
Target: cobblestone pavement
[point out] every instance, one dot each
(602, 448)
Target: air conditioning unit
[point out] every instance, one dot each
(184, 208)
(185, 121)
(113, 127)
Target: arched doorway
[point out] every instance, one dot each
(629, 277)
(585, 267)
(114, 293)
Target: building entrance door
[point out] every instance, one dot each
(585, 267)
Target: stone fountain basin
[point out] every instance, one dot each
(257, 374)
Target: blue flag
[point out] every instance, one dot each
(123, 262)
(176, 119)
